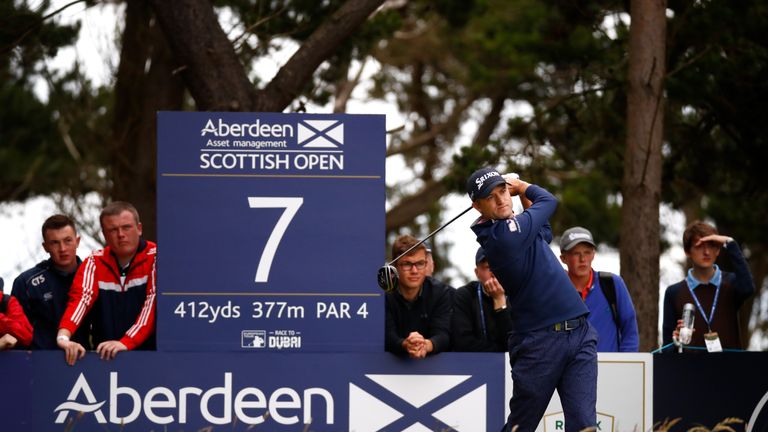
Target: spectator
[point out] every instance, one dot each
(14, 327)
(716, 295)
(480, 320)
(611, 311)
(418, 312)
(42, 290)
(116, 286)
(552, 345)
(430, 270)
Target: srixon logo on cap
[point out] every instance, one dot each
(574, 236)
(480, 180)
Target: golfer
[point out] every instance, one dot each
(552, 345)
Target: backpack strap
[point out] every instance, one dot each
(609, 291)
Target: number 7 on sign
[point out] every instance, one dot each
(291, 206)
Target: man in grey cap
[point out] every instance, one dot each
(610, 306)
(552, 345)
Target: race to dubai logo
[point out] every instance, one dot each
(253, 339)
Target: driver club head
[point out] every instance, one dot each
(387, 278)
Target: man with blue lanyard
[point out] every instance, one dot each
(716, 295)
(480, 320)
(552, 345)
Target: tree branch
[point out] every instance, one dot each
(345, 87)
(407, 209)
(37, 24)
(451, 122)
(290, 79)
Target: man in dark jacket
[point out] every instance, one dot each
(42, 290)
(481, 319)
(418, 312)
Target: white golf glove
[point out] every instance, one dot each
(510, 176)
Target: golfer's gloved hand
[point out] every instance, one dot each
(510, 176)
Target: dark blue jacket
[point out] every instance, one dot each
(42, 292)
(475, 325)
(517, 249)
(429, 314)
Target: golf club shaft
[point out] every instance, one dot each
(429, 236)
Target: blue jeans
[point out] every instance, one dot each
(544, 360)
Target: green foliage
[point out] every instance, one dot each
(587, 205)
(49, 145)
(26, 40)
(717, 119)
(554, 58)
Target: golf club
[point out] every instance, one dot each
(387, 276)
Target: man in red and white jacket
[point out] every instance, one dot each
(14, 326)
(116, 286)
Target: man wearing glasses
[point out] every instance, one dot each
(418, 312)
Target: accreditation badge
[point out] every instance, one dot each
(713, 342)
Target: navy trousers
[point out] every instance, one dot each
(544, 360)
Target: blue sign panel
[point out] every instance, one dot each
(270, 230)
(237, 391)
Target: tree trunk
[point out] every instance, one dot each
(140, 92)
(207, 61)
(641, 185)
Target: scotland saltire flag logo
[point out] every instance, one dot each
(321, 133)
(417, 403)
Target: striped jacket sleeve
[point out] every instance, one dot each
(145, 322)
(82, 295)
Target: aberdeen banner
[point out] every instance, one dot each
(143, 391)
(270, 231)
(286, 391)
